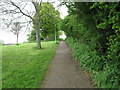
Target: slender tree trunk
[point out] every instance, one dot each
(17, 39)
(37, 28)
(38, 39)
(55, 34)
(37, 23)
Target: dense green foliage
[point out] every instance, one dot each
(24, 66)
(49, 21)
(32, 36)
(93, 31)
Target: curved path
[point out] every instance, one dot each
(62, 72)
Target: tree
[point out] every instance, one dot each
(16, 30)
(35, 20)
(49, 22)
(20, 10)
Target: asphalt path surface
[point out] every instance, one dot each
(63, 73)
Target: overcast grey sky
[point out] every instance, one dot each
(9, 37)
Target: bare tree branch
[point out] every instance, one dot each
(21, 11)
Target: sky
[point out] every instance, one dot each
(9, 37)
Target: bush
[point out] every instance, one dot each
(93, 32)
(105, 74)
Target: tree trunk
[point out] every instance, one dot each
(38, 40)
(55, 34)
(37, 23)
(17, 39)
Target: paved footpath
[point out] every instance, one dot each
(62, 72)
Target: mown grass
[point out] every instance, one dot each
(24, 66)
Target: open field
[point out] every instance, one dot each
(24, 66)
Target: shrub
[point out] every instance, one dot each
(105, 74)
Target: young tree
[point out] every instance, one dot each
(16, 30)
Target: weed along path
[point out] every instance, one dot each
(62, 72)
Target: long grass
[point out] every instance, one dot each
(24, 66)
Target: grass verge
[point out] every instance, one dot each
(24, 66)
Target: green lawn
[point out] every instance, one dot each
(24, 66)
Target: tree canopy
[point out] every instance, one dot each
(49, 19)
